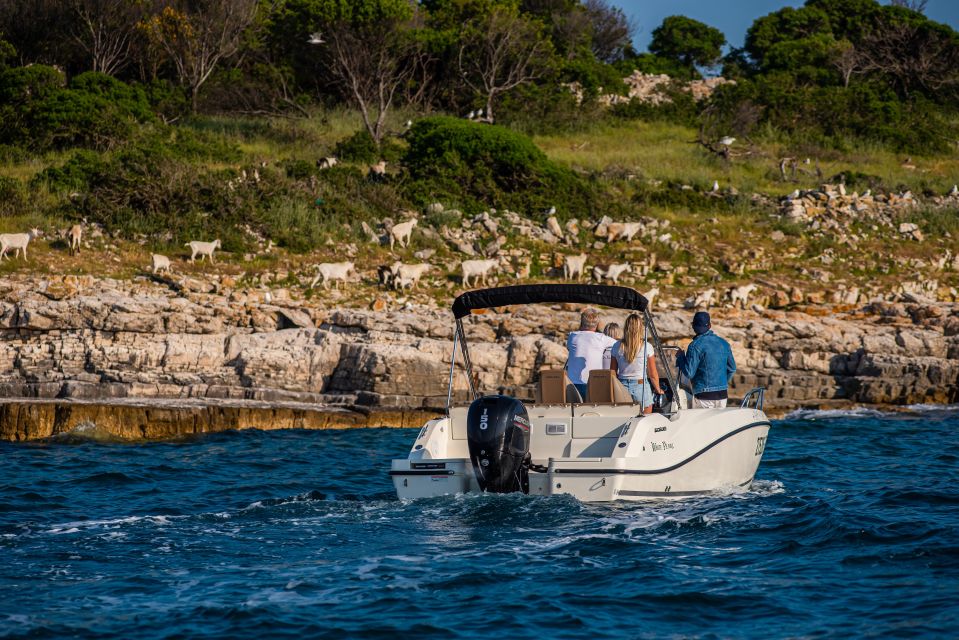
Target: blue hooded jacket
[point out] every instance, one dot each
(708, 363)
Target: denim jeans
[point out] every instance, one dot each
(642, 393)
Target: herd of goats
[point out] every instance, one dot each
(399, 275)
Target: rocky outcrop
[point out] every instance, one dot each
(142, 344)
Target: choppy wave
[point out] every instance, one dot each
(869, 412)
(827, 414)
(293, 534)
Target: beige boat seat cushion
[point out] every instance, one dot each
(605, 388)
(555, 388)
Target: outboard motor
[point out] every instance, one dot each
(497, 431)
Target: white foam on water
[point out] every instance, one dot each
(821, 414)
(923, 407)
(765, 488)
(83, 525)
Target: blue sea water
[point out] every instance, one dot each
(850, 530)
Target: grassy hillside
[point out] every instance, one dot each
(186, 182)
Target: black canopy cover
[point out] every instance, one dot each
(607, 296)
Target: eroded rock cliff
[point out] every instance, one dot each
(148, 341)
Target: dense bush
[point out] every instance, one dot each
(361, 148)
(95, 110)
(13, 196)
(546, 109)
(491, 165)
(831, 115)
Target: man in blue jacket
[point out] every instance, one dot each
(708, 363)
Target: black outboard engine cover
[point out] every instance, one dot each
(497, 431)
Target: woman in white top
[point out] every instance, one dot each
(634, 366)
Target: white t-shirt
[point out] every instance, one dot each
(636, 369)
(585, 354)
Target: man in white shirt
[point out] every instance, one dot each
(586, 348)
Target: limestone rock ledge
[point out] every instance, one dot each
(238, 361)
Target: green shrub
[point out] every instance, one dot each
(10, 154)
(94, 111)
(189, 144)
(76, 173)
(538, 109)
(297, 169)
(359, 147)
(297, 224)
(13, 196)
(595, 77)
(857, 180)
(168, 100)
(673, 196)
(487, 164)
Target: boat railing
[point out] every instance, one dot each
(756, 396)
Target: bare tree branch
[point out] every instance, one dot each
(105, 29)
(499, 53)
(199, 35)
(914, 55)
(372, 62)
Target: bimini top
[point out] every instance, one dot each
(607, 296)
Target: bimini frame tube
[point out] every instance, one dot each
(449, 392)
(661, 356)
(459, 337)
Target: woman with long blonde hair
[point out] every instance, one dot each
(634, 362)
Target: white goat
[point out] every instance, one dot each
(477, 269)
(75, 234)
(378, 170)
(630, 229)
(17, 241)
(651, 295)
(614, 271)
(613, 230)
(334, 271)
(327, 162)
(203, 249)
(574, 266)
(402, 233)
(740, 295)
(704, 299)
(160, 263)
(408, 274)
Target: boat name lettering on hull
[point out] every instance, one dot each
(661, 446)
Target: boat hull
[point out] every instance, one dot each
(694, 452)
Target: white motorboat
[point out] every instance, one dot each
(603, 448)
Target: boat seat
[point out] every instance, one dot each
(555, 388)
(605, 388)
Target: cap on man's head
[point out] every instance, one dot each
(701, 322)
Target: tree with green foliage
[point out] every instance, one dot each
(8, 54)
(687, 41)
(39, 111)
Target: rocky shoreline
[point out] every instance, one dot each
(154, 358)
